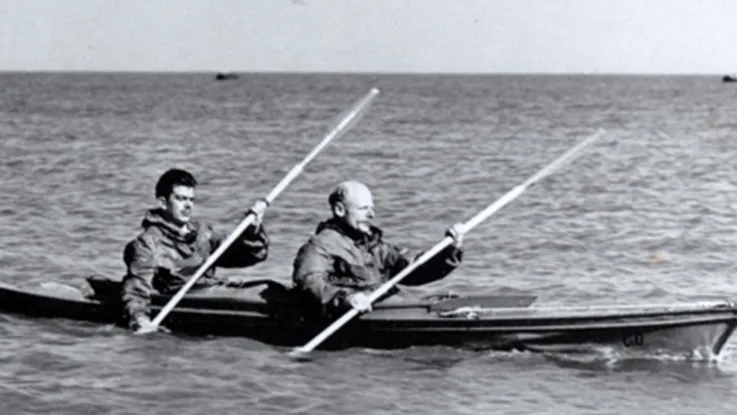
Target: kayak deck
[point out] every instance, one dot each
(494, 322)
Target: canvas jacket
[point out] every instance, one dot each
(337, 261)
(161, 260)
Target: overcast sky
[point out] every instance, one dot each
(512, 36)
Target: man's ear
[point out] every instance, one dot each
(339, 209)
(162, 202)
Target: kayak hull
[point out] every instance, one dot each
(701, 328)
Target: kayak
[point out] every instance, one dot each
(268, 312)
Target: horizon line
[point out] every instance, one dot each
(362, 73)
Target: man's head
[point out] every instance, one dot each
(353, 204)
(175, 193)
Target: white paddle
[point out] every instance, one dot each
(567, 157)
(355, 113)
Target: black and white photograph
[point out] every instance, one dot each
(510, 207)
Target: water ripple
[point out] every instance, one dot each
(646, 215)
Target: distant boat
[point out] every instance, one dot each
(224, 76)
(729, 78)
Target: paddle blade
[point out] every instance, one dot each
(299, 354)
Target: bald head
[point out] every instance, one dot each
(353, 204)
(348, 190)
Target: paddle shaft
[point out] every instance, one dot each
(355, 113)
(567, 157)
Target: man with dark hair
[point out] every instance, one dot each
(347, 257)
(172, 246)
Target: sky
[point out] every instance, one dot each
(396, 36)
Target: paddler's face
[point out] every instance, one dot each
(180, 203)
(357, 210)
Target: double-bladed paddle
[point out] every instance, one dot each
(346, 122)
(567, 157)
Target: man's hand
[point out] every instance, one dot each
(258, 210)
(455, 233)
(360, 302)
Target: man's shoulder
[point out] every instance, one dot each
(142, 245)
(144, 238)
(325, 236)
(328, 239)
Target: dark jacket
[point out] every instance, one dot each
(161, 259)
(337, 261)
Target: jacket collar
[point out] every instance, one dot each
(353, 234)
(162, 219)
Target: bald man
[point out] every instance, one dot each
(347, 257)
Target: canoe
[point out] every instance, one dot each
(268, 312)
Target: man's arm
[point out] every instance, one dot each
(137, 284)
(250, 248)
(436, 268)
(311, 273)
